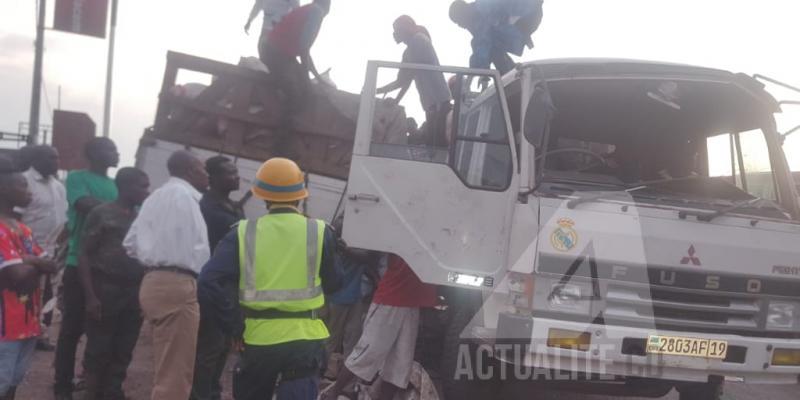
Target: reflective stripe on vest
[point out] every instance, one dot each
(311, 291)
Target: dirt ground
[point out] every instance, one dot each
(38, 383)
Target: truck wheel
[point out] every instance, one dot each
(702, 391)
(466, 370)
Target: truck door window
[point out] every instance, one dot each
(482, 156)
(469, 133)
(744, 159)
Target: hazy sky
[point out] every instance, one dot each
(739, 35)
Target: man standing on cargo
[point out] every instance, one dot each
(283, 263)
(86, 189)
(390, 332)
(291, 38)
(111, 282)
(221, 215)
(274, 11)
(498, 27)
(170, 239)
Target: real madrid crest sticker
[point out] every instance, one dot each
(564, 238)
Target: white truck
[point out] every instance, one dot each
(609, 226)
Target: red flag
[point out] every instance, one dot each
(84, 17)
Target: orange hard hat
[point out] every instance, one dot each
(280, 180)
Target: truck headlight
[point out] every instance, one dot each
(565, 295)
(554, 295)
(782, 315)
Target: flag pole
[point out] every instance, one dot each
(36, 90)
(109, 70)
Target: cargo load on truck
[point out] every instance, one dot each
(239, 113)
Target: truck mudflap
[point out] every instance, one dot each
(610, 352)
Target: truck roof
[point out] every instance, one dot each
(566, 68)
(569, 66)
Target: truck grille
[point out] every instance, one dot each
(664, 307)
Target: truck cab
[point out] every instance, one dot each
(633, 224)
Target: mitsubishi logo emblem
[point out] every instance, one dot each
(691, 258)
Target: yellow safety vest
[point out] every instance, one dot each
(279, 261)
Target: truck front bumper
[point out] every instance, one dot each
(619, 351)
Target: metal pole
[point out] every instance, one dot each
(110, 71)
(36, 90)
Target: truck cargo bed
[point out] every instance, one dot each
(326, 192)
(239, 114)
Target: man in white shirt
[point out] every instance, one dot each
(274, 11)
(46, 215)
(169, 237)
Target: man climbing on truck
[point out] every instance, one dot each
(498, 27)
(291, 38)
(274, 11)
(431, 85)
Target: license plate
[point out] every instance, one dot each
(691, 347)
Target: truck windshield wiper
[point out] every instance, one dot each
(630, 189)
(757, 203)
(600, 195)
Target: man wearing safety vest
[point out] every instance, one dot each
(283, 264)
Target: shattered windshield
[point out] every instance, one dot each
(682, 142)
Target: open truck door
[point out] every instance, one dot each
(439, 194)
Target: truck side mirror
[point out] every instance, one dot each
(538, 115)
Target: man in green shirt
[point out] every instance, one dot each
(85, 190)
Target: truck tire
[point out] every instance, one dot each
(458, 386)
(702, 391)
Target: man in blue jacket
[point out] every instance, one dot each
(498, 27)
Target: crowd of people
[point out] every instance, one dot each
(282, 290)
(145, 256)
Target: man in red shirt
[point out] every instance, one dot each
(21, 266)
(390, 332)
(291, 38)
